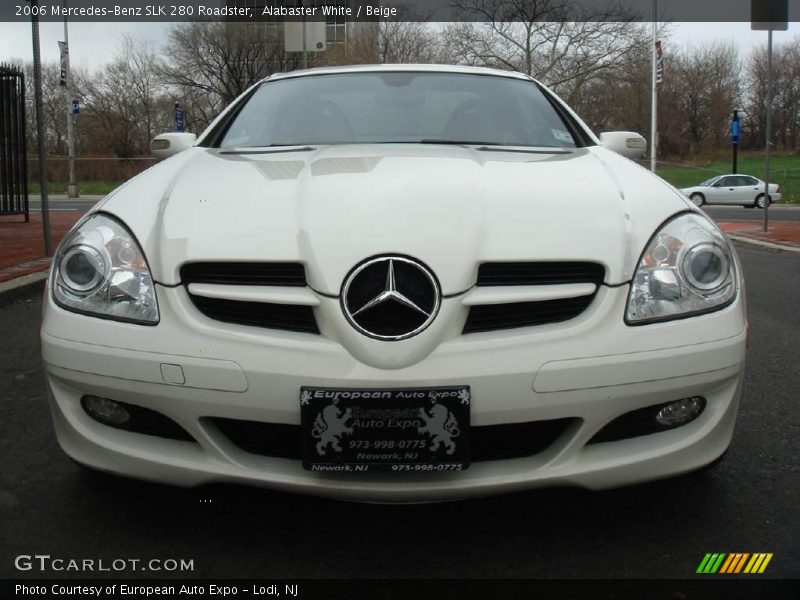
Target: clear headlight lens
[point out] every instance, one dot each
(686, 269)
(100, 270)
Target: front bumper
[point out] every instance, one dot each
(592, 368)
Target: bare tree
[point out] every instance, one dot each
(390, 41)
(705, 90)
(552, 40)
(138, 65)
(786, 96)
(409, 42)
(212, 63)
(124, 101)
(53, 104)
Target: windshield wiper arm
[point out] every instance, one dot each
(498, 147)
(457, 142)
(268, 149)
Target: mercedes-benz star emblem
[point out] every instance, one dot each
(390, 297)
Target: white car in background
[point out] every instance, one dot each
(732, 189)
(396, 284)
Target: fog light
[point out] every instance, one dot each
(680, 412)
(106, 411)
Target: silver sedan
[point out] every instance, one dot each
(733, 189)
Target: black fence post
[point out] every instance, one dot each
(13, 149)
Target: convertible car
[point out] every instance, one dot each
(396, 284)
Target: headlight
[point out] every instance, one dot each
(686, 269)
(100, 270)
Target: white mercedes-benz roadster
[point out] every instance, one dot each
(396, 284)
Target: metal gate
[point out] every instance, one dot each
(13, 155)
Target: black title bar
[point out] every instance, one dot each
(729, 588)
(377, 10)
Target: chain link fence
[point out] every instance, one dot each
(94, 176)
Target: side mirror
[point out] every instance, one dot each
(170, 144)
(627, 143)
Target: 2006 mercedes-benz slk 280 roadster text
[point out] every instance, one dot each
(397, 284)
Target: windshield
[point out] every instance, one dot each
(402, 107)
(707, 182)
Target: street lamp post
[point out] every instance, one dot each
(735, 129)
(72, 188)
(37, 79)
(768, 130)
(654, 92)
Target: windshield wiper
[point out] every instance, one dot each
(524, 149)
(498, 147)
(456, 142)
(268, 149)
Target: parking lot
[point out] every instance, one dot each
(748, 503)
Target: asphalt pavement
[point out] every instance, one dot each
(747, 503)
(783, 212)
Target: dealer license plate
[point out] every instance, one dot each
(403, 430)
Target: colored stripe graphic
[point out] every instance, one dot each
(734, 563)
(758, 563)
(711, 562)
(741, 562)
(703, 563)
(731, 560)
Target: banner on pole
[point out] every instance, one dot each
(180, 123)
(659, 63)
(62, 48)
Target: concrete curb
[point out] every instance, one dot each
(22, 286)
(762, 244)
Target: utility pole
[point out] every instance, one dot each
(37, 79)
(654, 99)
(735, 128)
(768, 128)
(305, 34)
(72, 188)
(768, 15)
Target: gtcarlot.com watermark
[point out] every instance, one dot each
(45, 563)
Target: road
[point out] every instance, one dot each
(788, 212)
(748, 503)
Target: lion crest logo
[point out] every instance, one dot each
(329, 426)
(441, 425)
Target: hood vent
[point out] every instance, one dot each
(209, 287)
(244, 273)
(497, 315)
(540, 273)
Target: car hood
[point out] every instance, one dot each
(451, 207)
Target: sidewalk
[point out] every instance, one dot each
(22, 244)
(781, 233)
